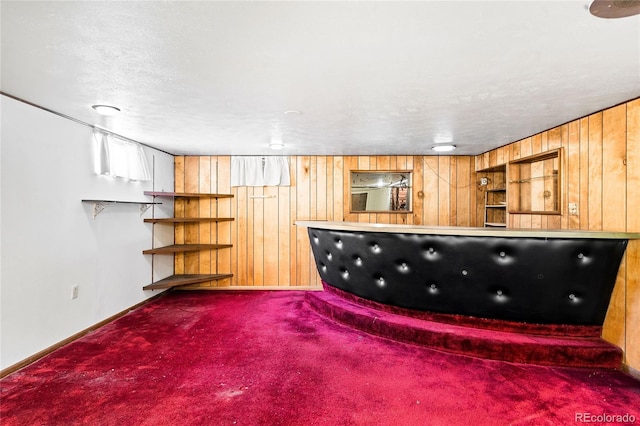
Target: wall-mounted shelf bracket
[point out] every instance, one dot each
(98, 208)
(100, 205)
(145, 207)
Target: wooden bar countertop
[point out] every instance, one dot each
(465, 231)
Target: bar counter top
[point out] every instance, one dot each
(465, 231)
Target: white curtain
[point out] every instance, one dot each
(260, 171)
(119, 158)
(276, 171)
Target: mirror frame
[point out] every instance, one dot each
(409, 191)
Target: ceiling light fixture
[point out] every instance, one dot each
(614, 8)
(276, 145)
(443, 148)
(107, 110)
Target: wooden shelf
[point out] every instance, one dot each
(535, 184)
(495, 224)
(180, 280)
(189, 219)
(553, 176)
(495, 196)
(181, 248)
(186, 194)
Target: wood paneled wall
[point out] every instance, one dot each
(601, 174)
(268, 249)
(601, 168)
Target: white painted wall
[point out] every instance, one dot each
(50, 240)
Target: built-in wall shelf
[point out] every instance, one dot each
(182, 248)
(189, 219)
(535, 184)
(178, 280)
(186, 279)
(495, 208)
(100, 205)
(493, 185)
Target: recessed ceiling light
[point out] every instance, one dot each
(106, 109)
(276, 145)
(443, 148)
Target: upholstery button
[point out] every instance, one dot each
(433, 286)
(465, 272)
(358, 261)
(339, 244)
(431, 250)
(380, 282)
(345, 274)
(572, 296)
(580, 255)
(499, 292)
(329, 255)
(502, 254)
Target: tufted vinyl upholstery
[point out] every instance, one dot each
(536, 280)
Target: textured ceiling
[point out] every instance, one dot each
(369, 78)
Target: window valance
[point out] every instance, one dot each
(260, 171)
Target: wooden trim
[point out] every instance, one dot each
(33, 358)
(254, 288)
(377, 171)
(557, 213)
(631, 371)
(188, 219)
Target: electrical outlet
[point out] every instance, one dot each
(573, 209)
(74, 291)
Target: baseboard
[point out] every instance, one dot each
(631, 371)
(33, 358)
(249, 287)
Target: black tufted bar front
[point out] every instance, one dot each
(533, 279)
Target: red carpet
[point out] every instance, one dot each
(554, 345)
(264, 358)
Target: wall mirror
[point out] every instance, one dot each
(535, 184)
(380, 191)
